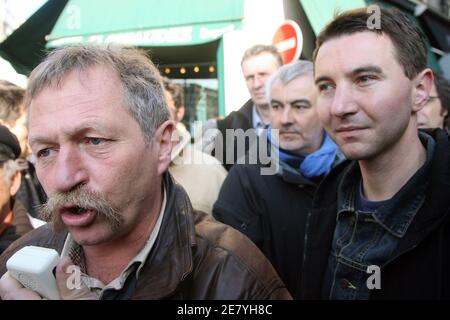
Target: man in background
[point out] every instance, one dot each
(13, 115)
(14, 221)
(258, 63)
(436, 112)
(200, 174)
(272, 209)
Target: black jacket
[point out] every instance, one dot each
(7, 237)
(240, 119)
(20, 226)
(271, 210)
(419, 268)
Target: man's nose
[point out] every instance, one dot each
(70, 171)
(286, 116)
(258, 81)
(343, 103)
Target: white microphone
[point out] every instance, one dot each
(33, 267)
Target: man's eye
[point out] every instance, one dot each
(366, 79)
(95, 141)
(324, 87)
(300, 106)
(43, 153)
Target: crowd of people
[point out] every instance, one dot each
(334, 187)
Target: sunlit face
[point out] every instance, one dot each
(5, 191)
(257, 70)
(293, 112)
(83, 137)
(9, 184)
(432, 115)
(171, 105)
(365, 101)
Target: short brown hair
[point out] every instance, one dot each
(408, 40)
(175, 90)
(11, 102)
(258, 49)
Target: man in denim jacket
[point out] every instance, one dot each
(379, 226)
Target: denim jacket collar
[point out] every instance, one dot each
(398, 213)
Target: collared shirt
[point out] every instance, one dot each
(75, 253)
(369, 237)
(258, 124)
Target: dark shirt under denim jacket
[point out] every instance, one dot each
(368, 232)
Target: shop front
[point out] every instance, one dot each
(198, 43)
(183, 38)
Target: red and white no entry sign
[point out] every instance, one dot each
(289, 41)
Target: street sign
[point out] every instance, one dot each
(289, 41)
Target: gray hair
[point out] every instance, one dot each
(10, 168)
(143, 90)
(287, 73)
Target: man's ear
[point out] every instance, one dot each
(422, 84)
(163, 139)
(15, 183)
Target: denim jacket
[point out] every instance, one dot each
(368, 238)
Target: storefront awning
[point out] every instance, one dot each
(320, 12)
(146, 22)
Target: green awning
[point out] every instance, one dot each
(146, 22)
(320, 12)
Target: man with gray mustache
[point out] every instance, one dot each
(79, 199)
(102, 135)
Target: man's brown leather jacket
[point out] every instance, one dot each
(194, 257)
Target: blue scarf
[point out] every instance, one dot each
(315, 164)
